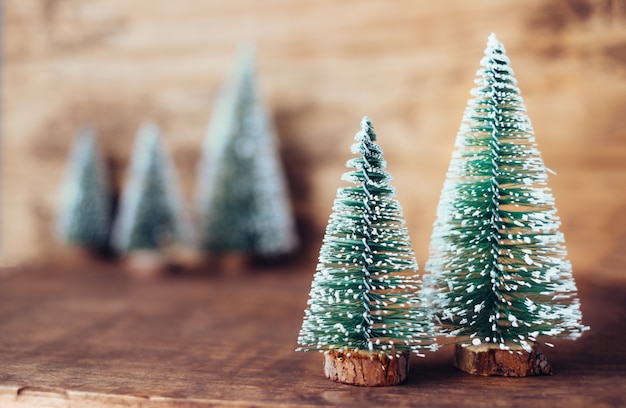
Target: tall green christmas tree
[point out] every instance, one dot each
(364, 298)
(84, 217)
(150, 216)
(498, 269)
(243, 201)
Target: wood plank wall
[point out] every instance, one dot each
(322, 66)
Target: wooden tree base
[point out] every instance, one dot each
(366, 369)
(231, 263)
(183, 258)
(488, 359)
(79, 254)
(145, 265)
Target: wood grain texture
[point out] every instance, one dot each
(366, 369)
(491, 360)
(89, 336)
(322, 66)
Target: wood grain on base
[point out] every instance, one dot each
(145, 264)
(366, 369)
(489, 359)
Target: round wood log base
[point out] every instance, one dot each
(145, 265)
(232, 263)
(79, 254)
(488, 359)
(366, 369)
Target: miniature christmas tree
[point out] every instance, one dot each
(364, 312)
(150, 218)
(85, 209)
(499, 277)
(243, 201)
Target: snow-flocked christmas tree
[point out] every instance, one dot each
(243, 202)
(84, 217)
(498, 273)
(150, 216)
(364, 300)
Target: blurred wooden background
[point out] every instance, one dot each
(322, 65)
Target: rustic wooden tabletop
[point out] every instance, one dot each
(89, 336)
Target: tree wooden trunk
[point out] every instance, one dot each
(79, 253)
(488, 359)
(145, 264)
(231, 263)
(365, 368)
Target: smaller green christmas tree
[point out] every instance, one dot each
(150, 216)
(499, 277)
(242, 199)
(84, 217)
(364, 302)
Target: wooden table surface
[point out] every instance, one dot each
(88, 336)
